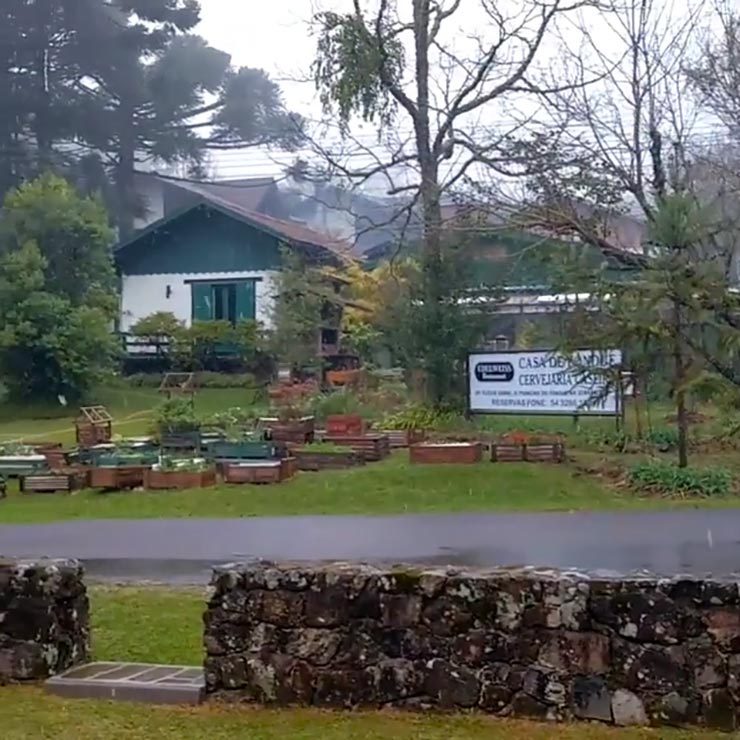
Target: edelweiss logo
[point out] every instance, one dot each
(494, 372)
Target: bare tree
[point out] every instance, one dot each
(623, 164)
(716, 74)
(440, 72)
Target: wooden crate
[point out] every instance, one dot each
(436, 453)
(161, 480)
(547, 452)
(298, 431)
(345, 425)
(181, 441)
(372, 447)
(507, 452)
(289, 467)
(401, 438)
(315, 461)
(64, 482)
(118, 478)
(258, 471)
(93, 426)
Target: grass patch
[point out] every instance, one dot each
(389, 487)
(147, 624)
(156, 624)
(28, 713)
(132, 410)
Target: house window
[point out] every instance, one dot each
(230, 301)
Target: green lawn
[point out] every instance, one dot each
(390, 487)
(154, 624)
(131, 409)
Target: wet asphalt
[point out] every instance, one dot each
(183, 551)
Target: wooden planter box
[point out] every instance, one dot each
(259, 471)
(63, 482)
(118, 478)
(400, 438)
(315, 461)
(189, 441)
(548, 452)
(160, 480)
(372, 447)
(56, 458)
(298, 431)
(224, 451)
(431, 453)
(17, 466)
(347, 425)
(289, 467)
(89, 434)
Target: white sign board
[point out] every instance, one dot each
(541, 382)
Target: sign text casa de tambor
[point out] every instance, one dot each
(543, 382)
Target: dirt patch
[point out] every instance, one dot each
(693, 417)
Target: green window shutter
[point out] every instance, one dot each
(245, 300)
(202, 301)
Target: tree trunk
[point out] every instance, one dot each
(682, 418)
(433, 280)
(126, 196)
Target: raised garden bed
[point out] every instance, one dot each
(528, 450)
(224, 451)
(16, 466)
(294, 431)
(259, 471)
(345, 425)
(118, 478)
(317, 459)
(59, 482)
(181, 441)
(400, 438)
(55, 456)
(436, 453)
(372, 447)
(160, 480)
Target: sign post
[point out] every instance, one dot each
(544, 382)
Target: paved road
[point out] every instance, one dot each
(183, 550)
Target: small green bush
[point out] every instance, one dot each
(665, 438)
(337, 402)
(668, 478)
(325, 447)
(423, 417)
(202, 380)
(176, 415)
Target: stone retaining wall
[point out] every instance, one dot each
(511, 642)
(44, 623)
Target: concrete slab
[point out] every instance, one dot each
(136, 682)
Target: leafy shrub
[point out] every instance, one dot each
(176, 415)
(325, 447)
(160, 324)
(202, 380)
(422, 417)
(187, 465)
(607, 439)
(338, 402)
(16, 449)
(667, 478)
(664, 439)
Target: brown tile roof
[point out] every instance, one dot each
(249, 193)
(288, 230)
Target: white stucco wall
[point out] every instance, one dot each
(143, 295)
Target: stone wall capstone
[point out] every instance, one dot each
(522, 643)
(44, 618)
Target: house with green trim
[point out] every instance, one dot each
(211, 260)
